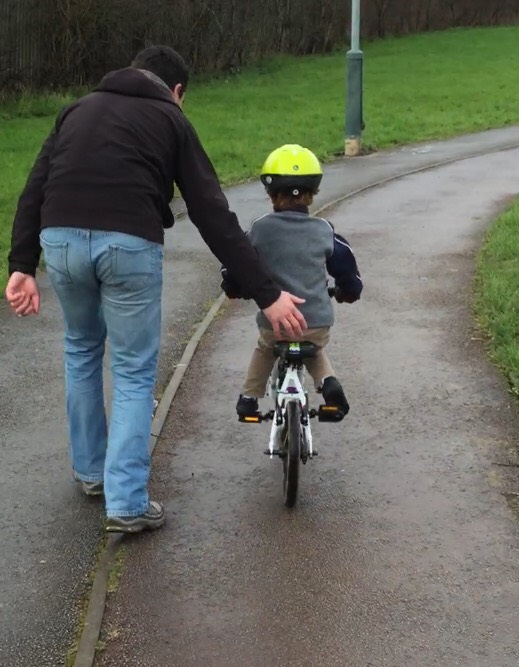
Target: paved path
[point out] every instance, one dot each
(403, 551)
(50, 532)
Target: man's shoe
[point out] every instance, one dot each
(153, 518)
(91, 488)
(246, 407)
(334, 395)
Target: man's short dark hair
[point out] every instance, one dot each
(165, 63)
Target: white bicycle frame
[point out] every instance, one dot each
(291, 390)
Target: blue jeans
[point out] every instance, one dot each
(109, 285)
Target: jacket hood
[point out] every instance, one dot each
(134, 83)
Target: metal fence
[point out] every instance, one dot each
(52, 43)
(46, 43)
(20, 40)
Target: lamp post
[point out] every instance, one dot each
(355, 62)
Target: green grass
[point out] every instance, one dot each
(417, 88)
(30, 105)
(19, 142)
(497, 293)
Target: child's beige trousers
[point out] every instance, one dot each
(263, 360)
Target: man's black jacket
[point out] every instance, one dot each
(110, 164)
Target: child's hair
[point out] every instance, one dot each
(284, 201)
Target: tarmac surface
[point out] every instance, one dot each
(51, 533)
(403, 549)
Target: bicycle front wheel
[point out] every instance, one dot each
(293, 453)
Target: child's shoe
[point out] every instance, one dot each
(333, 394)
(246, 406)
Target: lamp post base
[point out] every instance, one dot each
(352, 146)
(354, 103)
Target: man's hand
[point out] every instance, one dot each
(284, 314)
(23, 294)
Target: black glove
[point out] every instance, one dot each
(345, 297)
(230, 289)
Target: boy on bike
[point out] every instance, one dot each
(299, 250)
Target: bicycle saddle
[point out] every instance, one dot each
(295, 351)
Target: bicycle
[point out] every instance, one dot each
(291, 436)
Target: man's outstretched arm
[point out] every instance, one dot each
(208, 209)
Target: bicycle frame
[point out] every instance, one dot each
(291, 390)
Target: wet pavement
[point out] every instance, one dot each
(51, 533)
(403, 550)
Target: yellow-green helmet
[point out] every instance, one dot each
(291, 168)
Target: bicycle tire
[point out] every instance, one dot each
(293, 453)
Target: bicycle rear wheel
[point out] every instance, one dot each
(293, 453)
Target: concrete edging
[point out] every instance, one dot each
(86, 652)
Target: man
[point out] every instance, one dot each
(98, 200)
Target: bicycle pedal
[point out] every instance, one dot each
(277, 452)
(330, 413)
(251, 419)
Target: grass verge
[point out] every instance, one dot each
(417, 88)
(497, 293)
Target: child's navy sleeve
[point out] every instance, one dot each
(342, 266)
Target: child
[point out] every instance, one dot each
(298, 250)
